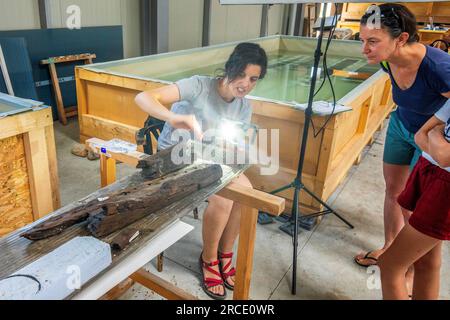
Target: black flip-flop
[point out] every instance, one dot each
(366, 257)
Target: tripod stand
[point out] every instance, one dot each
(297, 184)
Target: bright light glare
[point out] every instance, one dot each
(229, 131)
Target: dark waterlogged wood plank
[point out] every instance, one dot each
(17, 252)
(119, 209)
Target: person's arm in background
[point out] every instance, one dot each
(438, 146)
(421, 138)
(153, 101)
(430, 138)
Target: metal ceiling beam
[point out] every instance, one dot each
(264, 20)
(206, 22)
(44, 14)
(154, 26)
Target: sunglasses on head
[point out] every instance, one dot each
(386, 15)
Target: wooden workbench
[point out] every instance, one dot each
(16, 252)
(28, 169)
(428, 36)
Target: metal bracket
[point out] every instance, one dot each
(47, 82)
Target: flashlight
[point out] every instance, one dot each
(235, 131)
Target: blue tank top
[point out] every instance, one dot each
(424, 98)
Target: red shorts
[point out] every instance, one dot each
(427, 194)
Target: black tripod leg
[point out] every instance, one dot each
(294, 259)
(326, 206)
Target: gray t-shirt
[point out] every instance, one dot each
(199, 96)
(444, 115)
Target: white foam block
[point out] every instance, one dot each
(323, 108)
(60, 272)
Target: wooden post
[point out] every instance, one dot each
(107, 170)
(119, 290)
(39, 172)
(58, 95)
(160, 262)
(53, 166)
(160, 286)
(244, 264)
(358, 159)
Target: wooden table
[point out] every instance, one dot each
(251, 201)
(17, 252)
(428, 36)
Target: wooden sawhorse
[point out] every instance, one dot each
(63, 114)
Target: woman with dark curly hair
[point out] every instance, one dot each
(198, 104)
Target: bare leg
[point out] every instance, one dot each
(395, 177)
(408, 247)
(410, 273)
(427, 275)
(215, 220)
(232, 228)
(221, 222)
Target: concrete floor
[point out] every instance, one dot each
(325, 256)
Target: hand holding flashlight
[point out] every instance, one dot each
(188, 122)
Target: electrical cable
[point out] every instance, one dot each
(327, 76)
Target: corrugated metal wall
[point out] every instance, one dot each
(185, 24)
(24, 14)
(19, 14)
(228, 23)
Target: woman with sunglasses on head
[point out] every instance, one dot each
(198, 104)
(420, 77)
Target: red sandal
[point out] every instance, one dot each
(211, 282)
(230, 273)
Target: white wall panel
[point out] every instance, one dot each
(234, 22)
(19, 15)
(130, 15)
(185, 24)
(275, 19)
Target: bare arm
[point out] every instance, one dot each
(430, 138)
(153, 101)
(439, 147)
(421, 137)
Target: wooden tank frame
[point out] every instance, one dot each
(107, 110)
(29, 187)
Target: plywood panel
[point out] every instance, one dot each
(15, 199)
